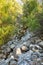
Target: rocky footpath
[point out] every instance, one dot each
(26, 51)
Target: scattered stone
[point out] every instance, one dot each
(12, 62)
(1, 56)
(24, 48)
(33, 41)
(12, 46)
(40, 51)
(32, 51)
(18, 51)
(27, 43)
(38, 41)
(41, 44)
(8, 49)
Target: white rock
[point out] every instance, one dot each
(24, 48)
(18, 51)
(12, 57)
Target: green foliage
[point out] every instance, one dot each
(30, 22)
(29, 6)
(9, 10)
(40, 19)
(31, 9)
(6, 32)
(32, 17)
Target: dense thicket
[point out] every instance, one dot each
(32, 15)
(12, 18)
(9, 10)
